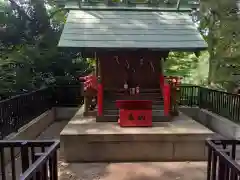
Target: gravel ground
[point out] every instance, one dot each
(119, 171)
(124, 171)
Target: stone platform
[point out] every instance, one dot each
(85, 140)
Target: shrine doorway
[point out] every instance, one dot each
(133, 68)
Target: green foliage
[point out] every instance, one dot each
(193, 70)
(219, 23)
(29, 57)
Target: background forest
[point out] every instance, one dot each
(30, 59)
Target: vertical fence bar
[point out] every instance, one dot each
(209, 164)
(221, 169)
(13, 166)
(24, 156)
(214, 165)
(2, 163)
(238, 108)
(55, 170)
(200, 97)
(44, 168)
(233, 153)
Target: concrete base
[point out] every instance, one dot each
(85, 140)
(90, 113)
(65, 113)
(216, 123)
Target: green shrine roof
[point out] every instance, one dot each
(131, 29)
(131, 24)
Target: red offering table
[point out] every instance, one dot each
(134, 113)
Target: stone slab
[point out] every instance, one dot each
(181, 127)
(85, 140)
(221, 125)
(63, 113)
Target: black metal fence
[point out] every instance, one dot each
(19, 110)
(29, 160)
(222, 103)
(222, 163)
(189, 95)
(68, 96)
(37, 159)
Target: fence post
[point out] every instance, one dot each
(24, 156)
(199, 97)
(52, 96)
(192, 96)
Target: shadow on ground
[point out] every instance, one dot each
(124, 171)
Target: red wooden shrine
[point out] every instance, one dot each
(132, 73)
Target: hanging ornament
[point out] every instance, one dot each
(95, 55)
(141, 61)
(152, 67)
(137, 90)
(127, 64)
(116, 59)
(125, 85)
(132, 91)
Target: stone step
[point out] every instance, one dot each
(139, 96)
(113, 107)
(154, 101)
(112, 103)
(114, 118)
(143, 94)
(116, 112)
(142, 91)
(135, 98)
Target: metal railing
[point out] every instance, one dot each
(222, 103)
(222, 163)
(70, 96)
(21, 109)
(189, 95)
(36, 159)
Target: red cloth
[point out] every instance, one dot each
(135, 113)
(89, 82)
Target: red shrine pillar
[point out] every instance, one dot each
(161, 79)
(165, 87)
(167, 98)
(100, 98)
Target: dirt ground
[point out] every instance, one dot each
(124, 171)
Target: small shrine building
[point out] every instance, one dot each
(130, 41)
